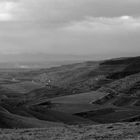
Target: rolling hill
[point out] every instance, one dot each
(82, 93)
(89, 76)
(9, 120)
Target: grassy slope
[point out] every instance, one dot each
(83, 98)
(22, 87)
(58, 116)
(69, 76)
(9, 120)
(119, 131)
(88, 76)
(117, 75)
(74, 108)
(74, 103)
(74, 78)
(124, 84)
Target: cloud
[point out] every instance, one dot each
(65, 10)
(104, 24)
(6, 8)
(70, 26)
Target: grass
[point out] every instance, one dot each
(84, 98)
(118, 131)
(115, 116)
(124, 101)
(57, 116)
(74, 108)
(9, 120)
(78, 79)
(22, 87)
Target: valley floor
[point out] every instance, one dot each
(117, 131)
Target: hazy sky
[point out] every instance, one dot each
(104, 27)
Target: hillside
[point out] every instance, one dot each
(118, 131)
(88, 76)
(9, 120)
(82, 93)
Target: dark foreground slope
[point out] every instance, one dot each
(9, 120)
(119, 131)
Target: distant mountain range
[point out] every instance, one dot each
(38, 60)
(44, 60)
(33, 65)
(41, 57)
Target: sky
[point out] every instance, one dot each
(101, 28)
